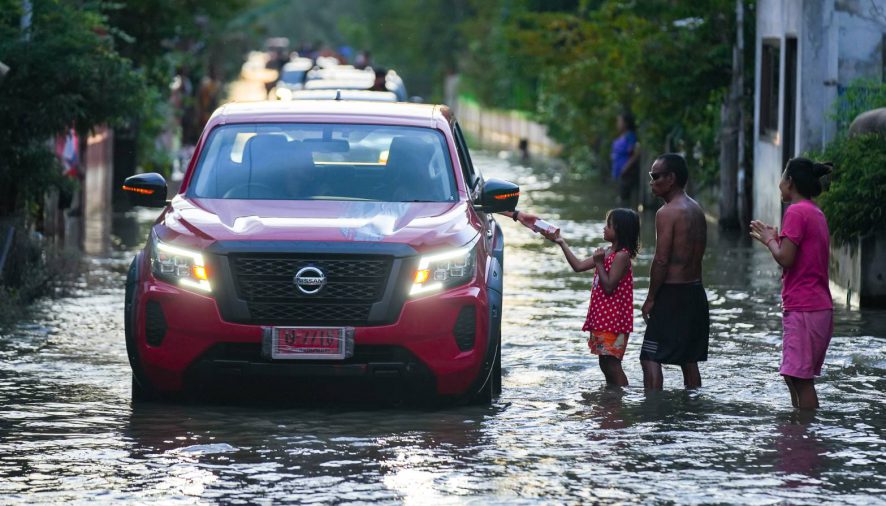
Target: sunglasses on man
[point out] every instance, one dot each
(655, 175)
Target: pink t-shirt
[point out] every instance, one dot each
(805, 284)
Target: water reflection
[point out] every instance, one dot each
(69, 434)
(799, 451)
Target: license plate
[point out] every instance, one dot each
(311, 343)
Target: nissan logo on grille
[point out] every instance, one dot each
(310, 280)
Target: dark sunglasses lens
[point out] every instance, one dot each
(655, 175)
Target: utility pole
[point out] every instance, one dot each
(742, 211)
(27, 12)
(731, 139)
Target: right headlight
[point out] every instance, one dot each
(179, 266)
(445, 269)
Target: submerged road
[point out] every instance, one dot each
(68, 432)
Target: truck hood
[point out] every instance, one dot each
(422, 225)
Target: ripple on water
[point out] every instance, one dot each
(69, 434)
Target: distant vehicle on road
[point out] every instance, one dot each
(293, 73)
(324, 247)
(339, 94)
(346, 77)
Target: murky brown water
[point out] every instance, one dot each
(69, 434)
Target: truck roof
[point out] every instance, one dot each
(257, 111)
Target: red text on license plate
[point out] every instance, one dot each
(304, 340)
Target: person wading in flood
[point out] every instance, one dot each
(676, 308)
(802, 250)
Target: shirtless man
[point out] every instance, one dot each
(676, 309)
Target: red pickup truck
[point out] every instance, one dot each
(321, 246)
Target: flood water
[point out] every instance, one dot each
(68, 433)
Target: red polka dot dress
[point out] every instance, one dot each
(612, 312)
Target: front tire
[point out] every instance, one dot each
(142, 390)
(140, 393)
(492, 386)
(496, 372)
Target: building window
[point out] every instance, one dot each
(769, 78)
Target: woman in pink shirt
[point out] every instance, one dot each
(802, 251)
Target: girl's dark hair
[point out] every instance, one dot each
(626, 224)
(806, 175)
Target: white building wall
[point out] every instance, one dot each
(817, 76)
(776, 19)
(838, 41)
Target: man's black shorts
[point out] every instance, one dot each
(679, 325)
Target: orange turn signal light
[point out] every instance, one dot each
(422, 275)
(199, 272)
(143, 191)
(507, 195)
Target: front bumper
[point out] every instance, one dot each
(199, 349)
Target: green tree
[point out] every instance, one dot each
(578, 64)
(64, 72)
(418, 39)
(854, 201)
(161, 38)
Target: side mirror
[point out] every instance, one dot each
(498, 195)
(147, 190)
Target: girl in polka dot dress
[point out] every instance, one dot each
(610, 317)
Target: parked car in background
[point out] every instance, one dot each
(292, 78)
(323, 248)
(346, 77)
(344, 94)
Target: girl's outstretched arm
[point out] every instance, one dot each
(576, 264)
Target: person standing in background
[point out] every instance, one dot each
(625, 156)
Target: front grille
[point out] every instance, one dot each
(267, 283)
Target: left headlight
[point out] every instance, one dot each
(445, 269)
(179, 266)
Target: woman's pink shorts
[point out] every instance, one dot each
(806, 338)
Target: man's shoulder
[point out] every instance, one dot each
(668, 210)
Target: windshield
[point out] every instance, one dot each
(325, 162)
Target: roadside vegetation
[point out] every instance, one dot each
(855, 201)
(575, 65)
(82, 65)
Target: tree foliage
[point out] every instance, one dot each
(421, 40)
(64, 72)
(582, 63)
(855, 202)
(574, 64)
(84, 64)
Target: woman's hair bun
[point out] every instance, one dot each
(822, 169)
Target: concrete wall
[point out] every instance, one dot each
(873, 270)
(845, 274)
(503, 129)
(99, 172)
(858, 272)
